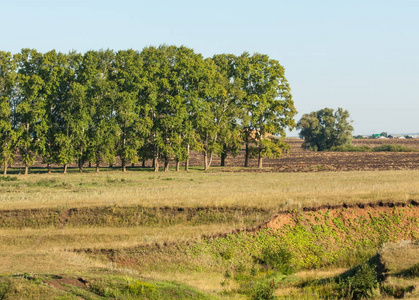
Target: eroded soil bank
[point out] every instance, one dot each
(347, 214)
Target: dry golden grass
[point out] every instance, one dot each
(44, 250)
(266, 190)
(400, 256)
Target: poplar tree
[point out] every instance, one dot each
(65, 109)
(102, 132)
(228, 106)
(30, 107)
(268, 106)
(173, 77)
(7, 134)
(132, 117)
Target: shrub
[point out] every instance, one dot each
(351, 148)
(278, 259)
(8, 178)
(362, 284)
(264, 291)
(393, 148)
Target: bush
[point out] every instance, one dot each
(393, 148)
(278, 259)
(351, 148)
(360, 285)
(264, 291)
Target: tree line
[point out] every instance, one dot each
(159, 103)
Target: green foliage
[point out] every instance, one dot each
(129, 288)
(5, 286)
(267, 106)
(325, 129)
(277, 258)
(350, 148)
(30, 107)
(264, 291)
(158, 104)
(393, 148)
(28, 286)
(7, 134)
(361, 285)
(8, 178)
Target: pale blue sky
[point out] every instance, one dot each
(362, 55)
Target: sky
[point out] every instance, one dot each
(361, 55)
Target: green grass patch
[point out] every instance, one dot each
(8, 178)
(351, 148)
(394, 148)
(25, 286)
(365, 148)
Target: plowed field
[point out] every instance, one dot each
(300, 160)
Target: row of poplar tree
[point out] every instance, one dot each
(157, 104)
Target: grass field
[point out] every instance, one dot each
(150, 227)
(197, 189)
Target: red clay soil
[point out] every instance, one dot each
(347, 214)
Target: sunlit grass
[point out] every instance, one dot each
(49, 250)
(197, 188)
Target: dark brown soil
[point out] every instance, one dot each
(300, 160)
(61, 282)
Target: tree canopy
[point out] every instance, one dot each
(325, 129)
(158, 103)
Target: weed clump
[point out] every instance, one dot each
(8, 178)
(365, 148)
(264, 291)
(350, 148)
(278, 259)
(393, 148)
(363, 284)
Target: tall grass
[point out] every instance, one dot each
(213, 189)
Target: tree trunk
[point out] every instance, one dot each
(90, 164)
(26, 170)
(187, 159)
(223, 159)
(97, 168)
(132, 165)
(143, 164)
(246, 157)
(124, 168)
(156, 164)
(205, 160)
(65, 169)
(49, 168)
(210, 160)
(81, 161)
(166, 164)
(260, 160)
(177, 165)
(5, 170)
